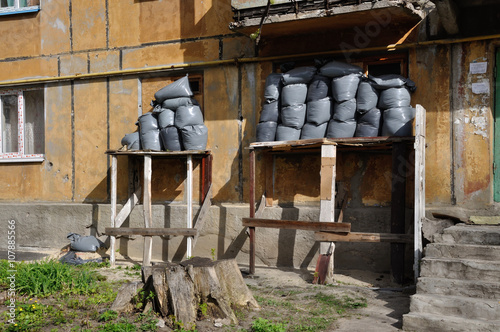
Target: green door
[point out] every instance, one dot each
(496, 151)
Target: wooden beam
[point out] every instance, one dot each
(295, 224)
(200, 220)
(112, 240)
(189, 198)
(251, 230)
(269, 178)
(148, 215)
(151, 231)
(419, 204)
(127, 208)
(363, 237)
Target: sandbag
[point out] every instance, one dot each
(319, 88)
(398, 121)
(131, 141)
(293, 94)
(166, 118)
(194, 137)
(394, 97)
(175, 103)
(179, 88)
(149, 132)
(339, 129)
(299, 75)
(270, 112)
(84, 243)
(345, 87)
(266, 131)
(367, 97)
(319, 111)
(188, 116)
(387, 81)
(344, 111)
(171, 139)
(368, 123)
(293, 116)
(310, 130)
(336, 69)
(273, 87)
(284, 133)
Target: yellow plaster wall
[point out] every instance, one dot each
(89, 24)
(54, 27)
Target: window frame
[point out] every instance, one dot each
(20, 156)
(19, 10)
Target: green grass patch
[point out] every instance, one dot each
(264, 325)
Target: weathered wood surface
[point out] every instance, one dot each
(363, 237)
(150, 231)
(297, 224)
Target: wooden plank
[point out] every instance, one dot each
(354, 141)
(251, 230)
(148, 216)
(398, 207)
(363, 237)
(200, 219)
(419, 204)
(297, 224)
(173, 154)
(189, 194)
(127, 208)
(269, 178)
(327, 192)
(112, 239)
(151, 231)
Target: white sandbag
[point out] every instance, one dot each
(284, 133)
(369, 123)
(387, 81)
(398, 121)
(293, 94)
(394, 97)
(345, 87)
(270, 112)
(179, 88)
(341, 129)
(132, 141)
(367, 96)
(299, 75)
(310, 130)
(266, 131)
(344, 111)
(175, 103)
(273, 87)
(319, 111)
(166, 118)
(194, 137)
(337, 68)
(171, 139)
(319, 88)
(149, 132)
(294, 116)
(188, 116)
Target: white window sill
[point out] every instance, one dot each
(18, 158)
(23, 10)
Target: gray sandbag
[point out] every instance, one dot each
(294, 116)
(149, 132)
(319, 111)
(188, 116)
(266, 131)
(319, 88)
(345, 87)
(387, 81)
(131, 141)
(369, 123)
(284, 133)
(171, 139)
(72, 259)
(394, 97)
(194, 137)
(337, 69)
(293, 94)
(344, 111)
(270, 112)
(299, 75)
(175, 103)
(398, 121)
(339, 129)
(179, 88)
(166, 118)
(84, 243)
(273, 87)
(367, 97)
(310, 130)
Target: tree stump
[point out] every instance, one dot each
(197, 288)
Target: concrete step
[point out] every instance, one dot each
(463, 251)
(458, 306)
(470, 234)
(462, 269)
(453, 287)
(418, 322)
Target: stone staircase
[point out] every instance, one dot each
(459, 284)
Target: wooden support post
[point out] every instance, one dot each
(189, 194)
(148, 215)
(398, 206)
(419, 208)
(112, 239)
(269, 176)
(252, 212)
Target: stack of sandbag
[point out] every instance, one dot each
(345, 79)
(368, 115)
(394, 102)
(268, 121)
(318, 108)
(149, 132)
